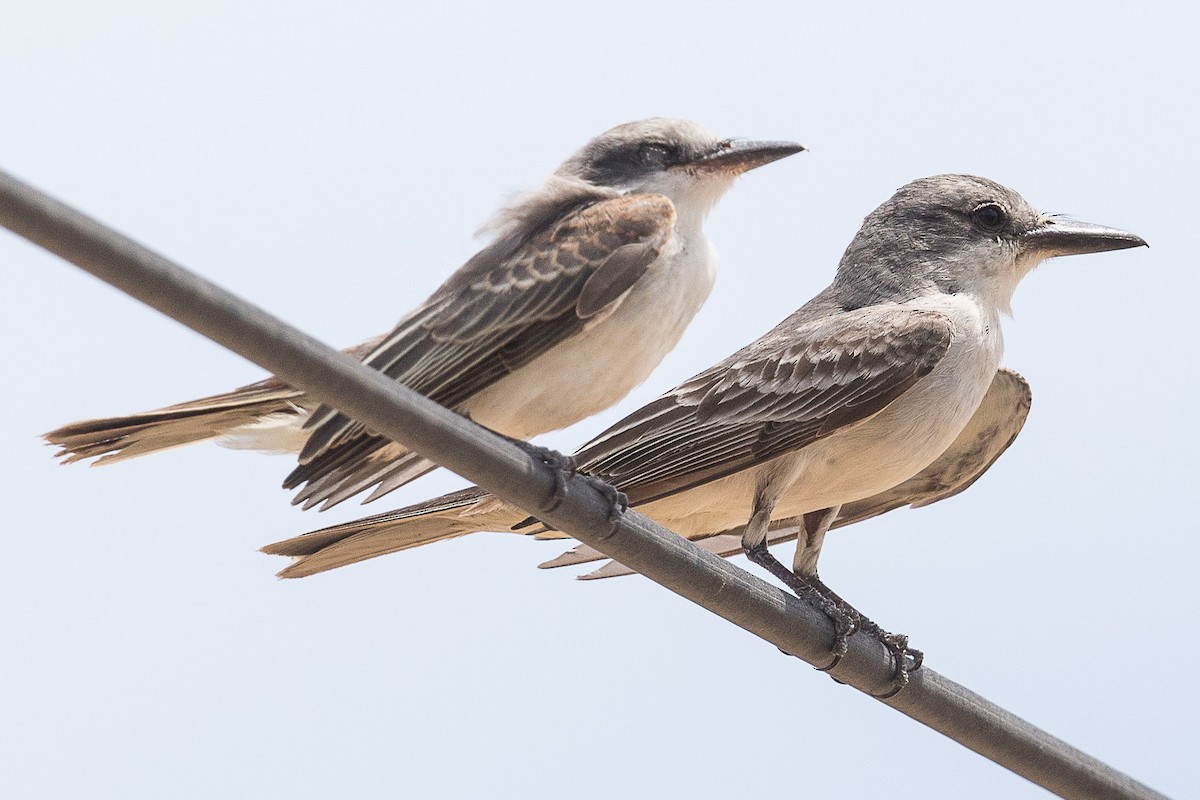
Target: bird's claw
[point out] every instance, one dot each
(561, 466)
(845, 624)
(618, 501)
(846, 621)
(897, 646)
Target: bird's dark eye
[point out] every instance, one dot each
(990, 216)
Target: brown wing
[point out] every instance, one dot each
(505, 307)
(797, 384)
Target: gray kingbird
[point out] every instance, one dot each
(586, 284)
(842, 406)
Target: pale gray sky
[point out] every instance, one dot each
(332, 167)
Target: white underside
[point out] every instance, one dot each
(597, 367)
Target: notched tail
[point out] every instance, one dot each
(446, 517)
(267, 410)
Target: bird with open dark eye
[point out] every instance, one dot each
(587, 283)
(991, 217)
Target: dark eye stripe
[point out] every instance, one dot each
(632, 161)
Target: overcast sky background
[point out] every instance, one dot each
(333, 166)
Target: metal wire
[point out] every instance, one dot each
(425, 427)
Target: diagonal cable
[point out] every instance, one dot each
(500, 467)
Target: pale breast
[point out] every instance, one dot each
(870, 457)
(913, 431)
(597, 367)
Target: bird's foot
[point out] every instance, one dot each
(845, 619)
(905, 660)
(561, 466)
(844, 626)
(618, 501)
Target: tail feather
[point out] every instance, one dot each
(262, 416)
(113, 439)
(411, 468)
(387, 468)
(446, 517)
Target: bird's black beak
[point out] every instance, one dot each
(734, 157)
(1056, 236)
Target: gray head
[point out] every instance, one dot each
(961, 233)
(674, 157)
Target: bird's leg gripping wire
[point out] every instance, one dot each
(846, 619)
(564, 467)
(618, 502)
(561, 467)
(844, 624)
(906, 660)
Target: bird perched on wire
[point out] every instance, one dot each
(586, 284)
(992, 428)
(880, 388)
